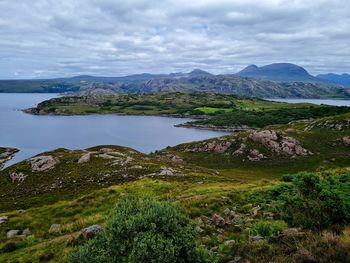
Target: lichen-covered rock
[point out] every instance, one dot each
(43, 163)
(174, 158)
(17, 177)
(3, 219)
(166, 171)
(331, 124)
(218, 220)
(279, 143)
(255, 155)
(346, 140)
(13, 233)
(220, 145)
(85, 158)
(54, 227)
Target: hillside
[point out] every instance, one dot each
(228, 186)
(216, 111)
(194, 81)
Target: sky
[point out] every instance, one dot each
(61, 38)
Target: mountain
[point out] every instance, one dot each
(343, 79)
(279, 72)
(195, 81)
(199, 73)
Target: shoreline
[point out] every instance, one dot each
(213, 128)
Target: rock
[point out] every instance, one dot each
(255, 238)
(218, 220)
(85, 158)
(217, 146)
(3, 219)
(42, 163)
(227, 211)
(230, 242)
(54, 227)
(137, 167)
(278, 143)
(13, 233)
(237, 219)
(240, 150)
(91, 231)
(174, 158)
(26, 232)
(166, 171)
(199, 229)
(346, 141)
(17, 177)
(106, 150)
(255, 211)
(255, 155)
(21, 211)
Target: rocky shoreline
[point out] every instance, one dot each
(213, 128)
(6, 154)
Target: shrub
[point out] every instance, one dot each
(143, 231)
(317, 202)
(268, 229)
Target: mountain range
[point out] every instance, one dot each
(283, 80)
(342, 79)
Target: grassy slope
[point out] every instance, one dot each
(212, 183)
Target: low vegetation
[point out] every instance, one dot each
(142, 231)
(276, 194)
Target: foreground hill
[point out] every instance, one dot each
(228, 186)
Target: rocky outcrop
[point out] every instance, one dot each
(219, 145)
(279, 143)
(17, 177)
(331, 124)
(6, 154)
(243, 146)
(43, 163)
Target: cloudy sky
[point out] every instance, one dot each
(53, 38)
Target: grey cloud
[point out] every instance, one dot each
(47, 38)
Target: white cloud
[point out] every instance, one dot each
(50, 38)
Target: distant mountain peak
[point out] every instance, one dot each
(199, 72)
(278, 72)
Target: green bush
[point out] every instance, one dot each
(143, 231)
(317, 202)
(268, 229)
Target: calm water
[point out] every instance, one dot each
(35, 134)
(316, 101)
